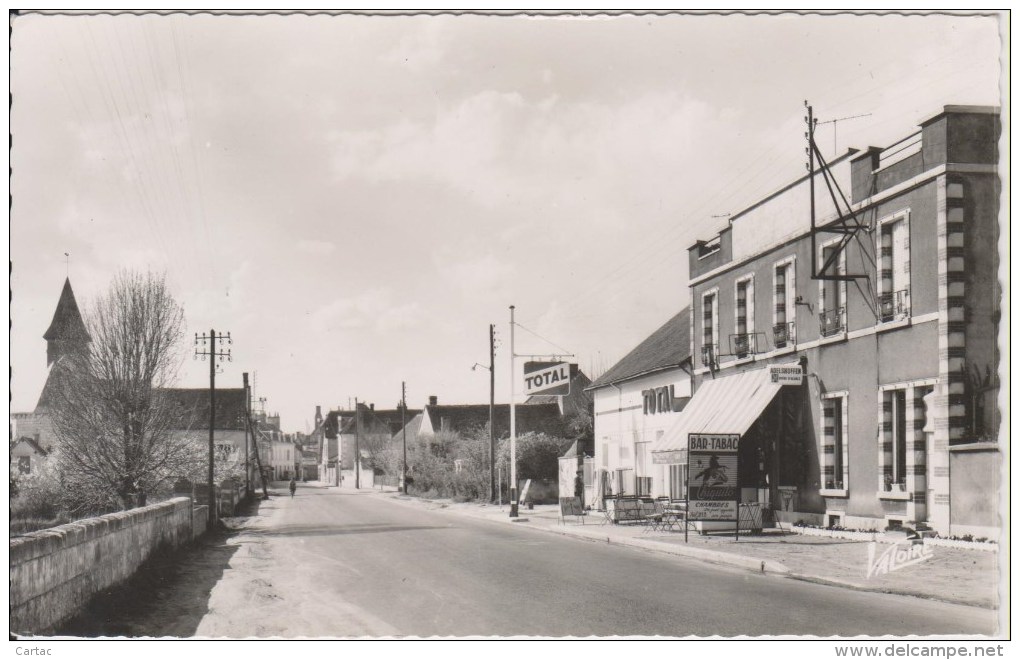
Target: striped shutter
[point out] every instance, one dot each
(828, 441)
(885, 437)
(742, 307)
(917, 449)
(780, 294)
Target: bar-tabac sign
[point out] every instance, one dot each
(712, 489)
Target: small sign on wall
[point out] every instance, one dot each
(786, 374)
(658, 400)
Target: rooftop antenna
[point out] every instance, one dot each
(67, 265)
(834, 122)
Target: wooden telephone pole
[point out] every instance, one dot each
(212, 354)
(403, 436)
(492, 407)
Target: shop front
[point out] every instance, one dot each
(734, 447)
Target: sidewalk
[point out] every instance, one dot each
(967, 577)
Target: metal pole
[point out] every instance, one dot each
(810, 135)
(212, 425)
(403, 435)
(513, 424)
(492, 407)
(357, 444)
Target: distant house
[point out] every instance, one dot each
(229, 427)
(26, 456)
(463, 418)
(368, 430)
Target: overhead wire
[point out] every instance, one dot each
(563, 350)
(663, 246)
(153, 152)
(182, 61)
(106, 92)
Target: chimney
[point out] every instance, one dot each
(433, 400)
(371, 407)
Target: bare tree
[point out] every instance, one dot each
(111, 413)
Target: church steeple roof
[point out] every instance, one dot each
(67, 322)
(67, 329)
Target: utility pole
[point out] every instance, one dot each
(258, 461)
(403, 436)
(357, 444)
(513, 424)
(247, 413)
(492, 407)
(810, 136)
(212, 354)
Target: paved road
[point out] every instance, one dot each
(347, 564)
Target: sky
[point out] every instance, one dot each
(356, 198)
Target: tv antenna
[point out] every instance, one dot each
(835, 122)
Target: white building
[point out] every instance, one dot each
(635, 401)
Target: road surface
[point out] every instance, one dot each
(329, 563)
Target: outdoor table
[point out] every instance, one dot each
(673, 517)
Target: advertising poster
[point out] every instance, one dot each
(712, 486)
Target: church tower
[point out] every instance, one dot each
(66, 333)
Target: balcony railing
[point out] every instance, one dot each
(895, 305)
(784, 334)
(831, 322)
(743, 344)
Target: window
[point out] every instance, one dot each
(784, 304)
(624, 481)
(605, 452)
(25, 464)
(641, 458)
(743, 339)
(710, 328)
(832, 293)
(894, 265)
(835, 454)
(894, 440)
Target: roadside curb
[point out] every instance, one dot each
(711, 556)
(846, 584)
(701, 554)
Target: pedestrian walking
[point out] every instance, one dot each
(293, 486)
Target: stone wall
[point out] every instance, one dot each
(55, 572)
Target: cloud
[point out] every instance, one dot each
(369, 310)
(315, 246)
(499, 147)
(472, 275)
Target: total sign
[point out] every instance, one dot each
(550, 378)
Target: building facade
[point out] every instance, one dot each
(892, 322)
(635, 402)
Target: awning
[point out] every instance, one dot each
(724, 405)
